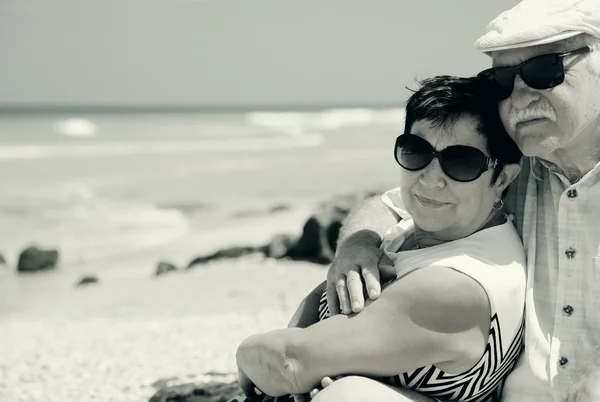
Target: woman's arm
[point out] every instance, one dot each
(431, 316)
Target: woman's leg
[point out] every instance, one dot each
(243, 398)
(363, 389)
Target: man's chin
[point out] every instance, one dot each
(537, 146)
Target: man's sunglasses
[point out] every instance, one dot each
(540, 72)
(459, 162)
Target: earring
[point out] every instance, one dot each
(498, 205)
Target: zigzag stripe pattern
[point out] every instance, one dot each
(323, 308)
(482, 383)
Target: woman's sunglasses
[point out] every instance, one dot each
(459, 162)
(540, 72)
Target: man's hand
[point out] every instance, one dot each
(358, 258)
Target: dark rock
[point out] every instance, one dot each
(279, 208)
(33, 259)
(86, 280)
(279, 246)
(2, 260)
(230, 252)
(318, 241)
(313, 245)
(164, 267)
(163, 382)
(190, 392)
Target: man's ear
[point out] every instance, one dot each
(508, 174)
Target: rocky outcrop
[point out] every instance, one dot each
(279, 246)
(34, 259)
(214, 391)
(318, 240)
(230, 252)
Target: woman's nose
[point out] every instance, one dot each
(433, 176)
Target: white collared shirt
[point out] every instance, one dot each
(560, 227)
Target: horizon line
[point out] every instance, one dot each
(217, 108)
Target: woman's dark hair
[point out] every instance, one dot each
(444, 99)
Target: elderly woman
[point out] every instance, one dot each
(449, 325)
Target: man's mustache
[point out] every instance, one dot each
(537, 111)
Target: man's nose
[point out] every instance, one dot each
(433, 176)
(523, 95)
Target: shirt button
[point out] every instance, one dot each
(570, 253)
(572, 193)
(568, 310)
(563, 361)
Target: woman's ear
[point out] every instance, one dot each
(508, 174)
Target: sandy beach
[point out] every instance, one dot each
(112, 340)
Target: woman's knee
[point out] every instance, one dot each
(350, 388)
(363, 389)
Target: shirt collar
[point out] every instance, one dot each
(538, 166)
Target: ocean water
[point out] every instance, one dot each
(105, 185)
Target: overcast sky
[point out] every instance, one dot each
(233, 52)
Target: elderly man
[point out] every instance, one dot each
(546, 74)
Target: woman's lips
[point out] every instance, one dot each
(429, 203)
